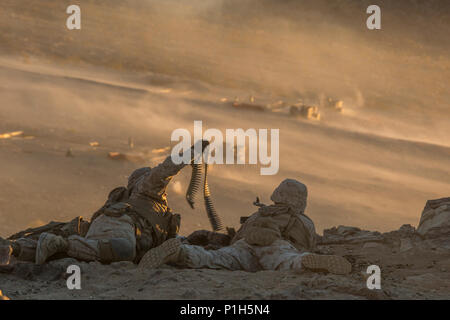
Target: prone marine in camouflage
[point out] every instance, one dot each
(22, 245)
(276, 237)
(132, 221)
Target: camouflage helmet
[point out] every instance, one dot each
(292, 193)
(136, 175)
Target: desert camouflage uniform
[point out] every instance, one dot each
(280, 255)
(132, 221)
(276, 237)
(22, 245)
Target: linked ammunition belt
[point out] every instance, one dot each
(194, 186)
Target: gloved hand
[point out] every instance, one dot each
(204, 144)
(196, 156)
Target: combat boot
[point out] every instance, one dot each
(5, 254)
(167, 252)
(331, 263)
(48, 245)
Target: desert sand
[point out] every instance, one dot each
(140, 70)
(412, 266)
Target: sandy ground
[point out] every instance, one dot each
(411, 268)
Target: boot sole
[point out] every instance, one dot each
(331, 263)
(158, 256)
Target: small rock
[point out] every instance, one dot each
(2, 297)
(435, 215)
(373, 294)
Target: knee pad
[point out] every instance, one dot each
(24, 249)
(116, 249)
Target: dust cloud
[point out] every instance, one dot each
(140, 69)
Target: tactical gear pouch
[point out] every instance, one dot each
(105, 251)
(119, 194)
(116, 249)
(259, 236)
(299, 235)
(263, 231)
